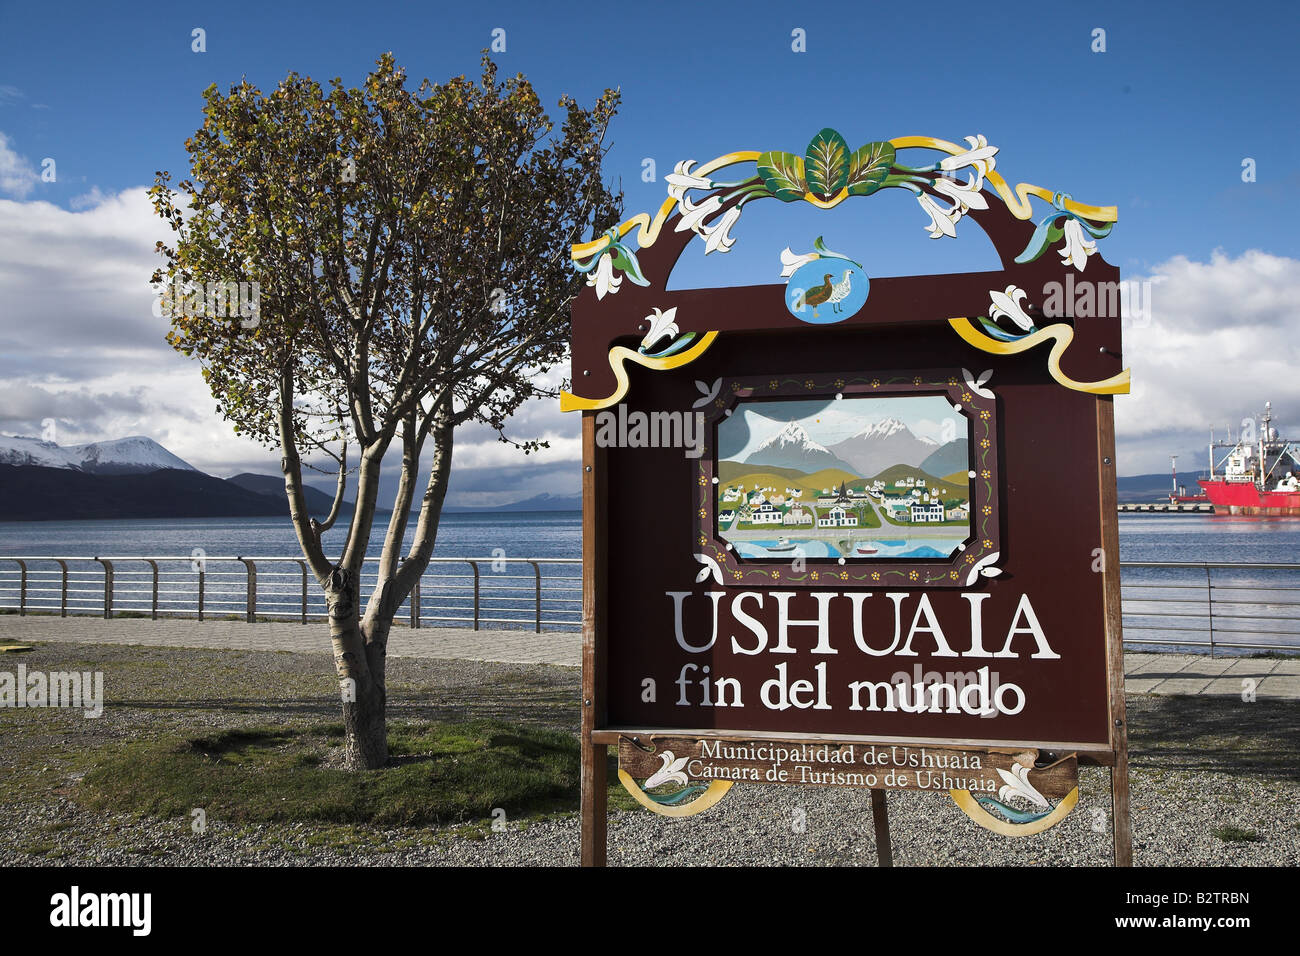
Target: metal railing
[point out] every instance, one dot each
(1193, 605)
(491, 590)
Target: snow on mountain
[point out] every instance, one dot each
(123, 456)
(792, 447)
(33, 451)
(126, 455)
(881, 445)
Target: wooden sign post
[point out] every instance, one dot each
(843, 531)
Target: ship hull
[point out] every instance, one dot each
(1243, 498)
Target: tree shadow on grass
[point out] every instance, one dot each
(1219, 734)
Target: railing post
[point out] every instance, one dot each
(474, 565)
(154, 607)
(537, 593)
(22, 587)
(1209, 606)
(303, 566)
(63, 588)
(250, 589)
(108, 586)
(415, 605)
(202, 571)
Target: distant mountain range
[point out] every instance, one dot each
(878, 446)
(138, 478)
(887, 442)
(136, 455)
(792, 447)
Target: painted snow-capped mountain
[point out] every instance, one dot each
(882, 444)
(123, 456)
(792, 447)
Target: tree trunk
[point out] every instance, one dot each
(361, 682)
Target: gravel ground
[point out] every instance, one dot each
(1197, 765)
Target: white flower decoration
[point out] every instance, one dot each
(942, 220)
(661, 324)
(1018, 785)
(709, 393)
(710, 568)
(693, 216)
(790, 262)
(976, 385)
(716, 238)
(979, 156)
(671, 770)
(680, 180)
(605, 279)
(1077, 247)
(966, 195)
(984, 566)
(1007, 304)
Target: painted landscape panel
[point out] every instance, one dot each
(859, 478)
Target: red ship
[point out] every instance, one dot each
(1260, 474)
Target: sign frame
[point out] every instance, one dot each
(1084, 357)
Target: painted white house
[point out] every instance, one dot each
(766, 514)
(726, 517)
(731, 494)
(837, 517)
(960, 513)
(927, 513)
(756, 499)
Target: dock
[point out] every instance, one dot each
(1200, 507)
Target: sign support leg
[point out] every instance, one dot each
(594, 797)
(1119, 810)
(1119, 797)
(880, 815)
(594, 791)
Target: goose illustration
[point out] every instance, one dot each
(841, 290)
(828, 291)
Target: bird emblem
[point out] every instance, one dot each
(827, 291)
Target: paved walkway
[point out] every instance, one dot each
(461, 643)
(1145, 673)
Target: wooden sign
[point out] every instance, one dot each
(862, 517)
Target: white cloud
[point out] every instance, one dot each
(79, 343)
(1222, 339)
(17, 177)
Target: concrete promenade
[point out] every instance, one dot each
(1145, 673)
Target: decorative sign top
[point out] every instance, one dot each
(827, 287)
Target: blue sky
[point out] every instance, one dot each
(1158, 124)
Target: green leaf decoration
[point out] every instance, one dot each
(869, 167)
(782, 174)
(624, 260)
(827, 163)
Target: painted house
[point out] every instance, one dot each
(837, 517)
(797, 516)
(927, 514)
(756, 499)
(766, 514)
(731, 494)
(960, 513)
(726, 517)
